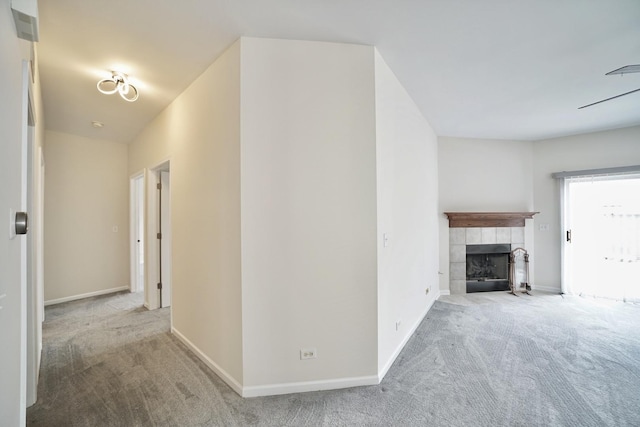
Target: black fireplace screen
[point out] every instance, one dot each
(488, 267)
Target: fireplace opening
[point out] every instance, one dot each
(488, 267)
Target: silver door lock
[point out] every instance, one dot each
(22, 223)
(18, 223)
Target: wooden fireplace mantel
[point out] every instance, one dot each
(488, 219)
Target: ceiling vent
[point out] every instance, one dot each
(25, 15)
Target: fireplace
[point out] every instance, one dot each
(489, 236)
(487, 267)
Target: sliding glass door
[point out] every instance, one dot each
(602, 236)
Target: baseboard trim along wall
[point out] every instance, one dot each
(224, 375)
(273, 389)
(87, 295)
(406, 339)
(306, 386)
(444, 292)
(546, 289)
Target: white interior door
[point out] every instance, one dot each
(158, 248)
(13, 251)
(137, 233)
(602, 253)
(165, 230)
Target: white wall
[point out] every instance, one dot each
(87, 194)
(200, 134)
(477, 175)
(282, 185)
(614, 148)
(308, 213)
(407, 189)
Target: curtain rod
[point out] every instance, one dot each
(593, 172)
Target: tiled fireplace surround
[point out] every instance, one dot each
(459, 238)
(479, 228)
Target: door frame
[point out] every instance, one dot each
(33, 249)
(566, 253)
(165, 229)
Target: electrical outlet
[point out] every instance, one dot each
(308, 353)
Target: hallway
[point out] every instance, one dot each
(107, 361)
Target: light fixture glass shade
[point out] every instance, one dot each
(131, 94)
(108, 86)
(118, 82)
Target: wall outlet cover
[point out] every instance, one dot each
(308, 353)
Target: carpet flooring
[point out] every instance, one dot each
(544, 360)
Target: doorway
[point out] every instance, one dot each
(137, 242)
(602, 236)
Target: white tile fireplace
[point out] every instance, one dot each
(481, 228)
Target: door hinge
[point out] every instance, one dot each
(159, 285)
(159, 236)
(159, 186)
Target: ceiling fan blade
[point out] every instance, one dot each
(625, 70)
(609, 99)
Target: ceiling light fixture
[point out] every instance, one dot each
(119, 82)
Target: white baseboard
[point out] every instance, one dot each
(546, 289)
(444, 292)
(274, 389)
(87, 295)
(406, 339)
(303, 386)
(224, 375)
(306, 386)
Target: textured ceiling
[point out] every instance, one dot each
(500, 69)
